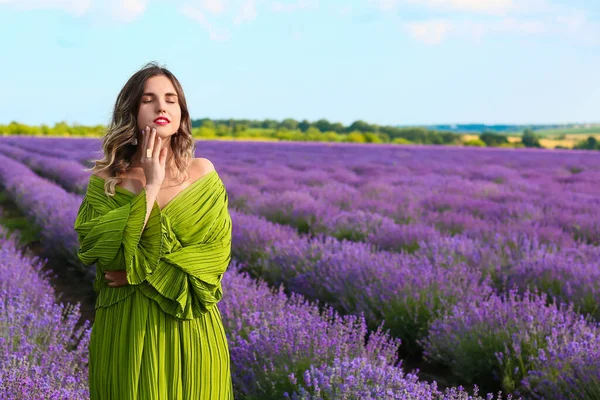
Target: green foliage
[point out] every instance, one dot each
(371, 137)
(289, 123)
(59, 129)
(290, 129)
(591, 143)
(204, 131)
(493, 139)
(372, 133)
(332, 137)
(401, 140)
(530, 139)
(573, 129)
(356, 137)
(284, 134)
(475, 143)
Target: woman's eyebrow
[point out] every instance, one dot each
(152, 94)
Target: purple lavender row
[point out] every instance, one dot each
(77, 150)
(374, 368)
(408, 316)
(521, 344)
(286, 348)
(48, 205)
(522, 261)
(406, 292)
(543, 274)
(477, 200)
(340, 331)
(383, 232)
(57, 240)
(419, 299)
(44, 354)
(409, 294)
(402, 195)
(377, 313)
(347, 225)
(542, 266)
(553, 232)
(374, 364)
(569, 367)
(276, 342)
(68, 173)
(428, 208)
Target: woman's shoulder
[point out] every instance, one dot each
(202, 165)
(198, 167)
(101, 174)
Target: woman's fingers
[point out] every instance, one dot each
(157, 148)
(152, 139)
(145, 134)
(117, 278)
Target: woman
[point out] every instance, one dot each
(161, 242)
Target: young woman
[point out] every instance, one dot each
(161, 242)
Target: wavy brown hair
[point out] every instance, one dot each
(117, 146)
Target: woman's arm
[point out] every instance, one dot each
(133, 229)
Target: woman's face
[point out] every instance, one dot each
(159, 100)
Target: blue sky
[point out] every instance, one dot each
(387, 62)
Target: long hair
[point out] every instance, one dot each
(117, 146)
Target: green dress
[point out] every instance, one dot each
(160, 337)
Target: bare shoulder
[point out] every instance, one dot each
(202, 166)
(101, 174)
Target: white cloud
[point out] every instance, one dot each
(486, 7)
(431, 31)
(214, 6)
(436, 31)
(246, 13)
(214, 32)
(497, 17)
(120, 10)
(278, 6)
(520, 26)
(493, 7)
(127, 10)
(75, 7)
(385, 5)
(221, 15)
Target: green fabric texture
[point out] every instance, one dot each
(174, 266)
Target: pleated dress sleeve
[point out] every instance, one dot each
(104, 227)
(187, 281)
(183, 278)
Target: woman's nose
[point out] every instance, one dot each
(160, 105)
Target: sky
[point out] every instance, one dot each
(386, 62)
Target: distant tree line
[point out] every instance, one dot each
(591, 143)
(494, 139)
(321, 130)
(370, 132)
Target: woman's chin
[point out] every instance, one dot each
(164, 131)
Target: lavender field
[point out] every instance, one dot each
(353, 264)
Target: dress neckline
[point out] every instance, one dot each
(130, 193)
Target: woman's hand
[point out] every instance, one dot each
(154, 166)
(118, 278)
